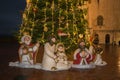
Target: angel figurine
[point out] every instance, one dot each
(98, 60)
(96, 50)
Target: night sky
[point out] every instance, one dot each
(10, 16)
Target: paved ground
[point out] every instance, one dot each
(8, 52)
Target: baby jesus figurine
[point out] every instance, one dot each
(61, 60)
(60, 53)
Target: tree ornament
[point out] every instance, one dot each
(80, 35)
(45, 28)
(24, 16)
(74, 33)
(62, 17)
(68, 34)
(35, 10)
(61, 33)
(25, 33)
(28, 1)
(79, 7)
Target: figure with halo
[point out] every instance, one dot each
(62, 62)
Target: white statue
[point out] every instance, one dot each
(98, 60)
(96, 50)
(31, 48)
(27, 54)
(48, 62)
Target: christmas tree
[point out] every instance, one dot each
(66, 19)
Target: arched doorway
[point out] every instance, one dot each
(107, 39)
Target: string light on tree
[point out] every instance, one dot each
(66, 19)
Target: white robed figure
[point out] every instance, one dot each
(48, 62)
(54, 58)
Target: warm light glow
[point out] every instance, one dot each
(28, 1)
(118, 63)
(80, 35)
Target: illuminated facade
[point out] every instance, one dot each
(104, 20)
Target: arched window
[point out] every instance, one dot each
(100, 20)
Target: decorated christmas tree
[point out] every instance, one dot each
(66, 19)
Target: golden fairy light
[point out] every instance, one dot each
(80, 35)
(59, 12)
(67, 24)
(45, 28)
(52, 7)
(28, 1)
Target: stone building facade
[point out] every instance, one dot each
(104, 20)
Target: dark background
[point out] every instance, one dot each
(10, 16)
